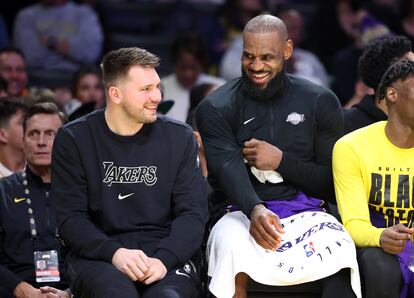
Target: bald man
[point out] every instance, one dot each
(268, 139)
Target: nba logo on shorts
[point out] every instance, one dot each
(309, 249)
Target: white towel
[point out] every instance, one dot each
(315, 245)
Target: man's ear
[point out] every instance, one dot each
(115, 94)
(392, 94)
(4, 139)
(288, 49)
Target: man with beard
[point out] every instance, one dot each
(268, 140)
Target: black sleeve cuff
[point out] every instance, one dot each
(167, 258)
(109, 249)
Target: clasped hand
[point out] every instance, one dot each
(138, 266)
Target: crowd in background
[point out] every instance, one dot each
(198, 41)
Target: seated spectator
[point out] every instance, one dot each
(189, 58)
(375, 60)
(373, 171)
(87, 91)
(12, 111)
(58, 35)
(13, 70)
(360, 90)
(197, 94)
(27, 221)
(363, 28)
(303, 63)
(143, 222)
(406, 14)
(268, 138)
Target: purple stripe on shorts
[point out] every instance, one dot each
(283, 209)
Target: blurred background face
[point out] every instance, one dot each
(13, 70)
(294, 25)
(187, 69)
(90, 89)
(347, 18)
(14, 131)
(38, 138)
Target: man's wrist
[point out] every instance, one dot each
(257, 207)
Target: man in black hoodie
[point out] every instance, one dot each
(129, 194)
(373, 63)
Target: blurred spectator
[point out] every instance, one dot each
(88, 93)
(87, 86)
(37, 95)
(327, 31)
(345, 60)
(227, 25)
(365, 28)
(303, 63)
(12, 111)
(386, 11)
(407, 17)
(58, 34)
(189, 58)
(376, 59)
(197, 94)
(360, 90)
(13, 70)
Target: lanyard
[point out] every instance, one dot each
(32, 220)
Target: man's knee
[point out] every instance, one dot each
(380, 272)
(180, 282)
(101, 279)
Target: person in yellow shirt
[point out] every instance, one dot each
(373, 170)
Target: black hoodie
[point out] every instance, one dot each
(363, 114)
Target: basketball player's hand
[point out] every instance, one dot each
(156, 271)
(265, 227)
(393, 239)
(132, 262)
(262, 155)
